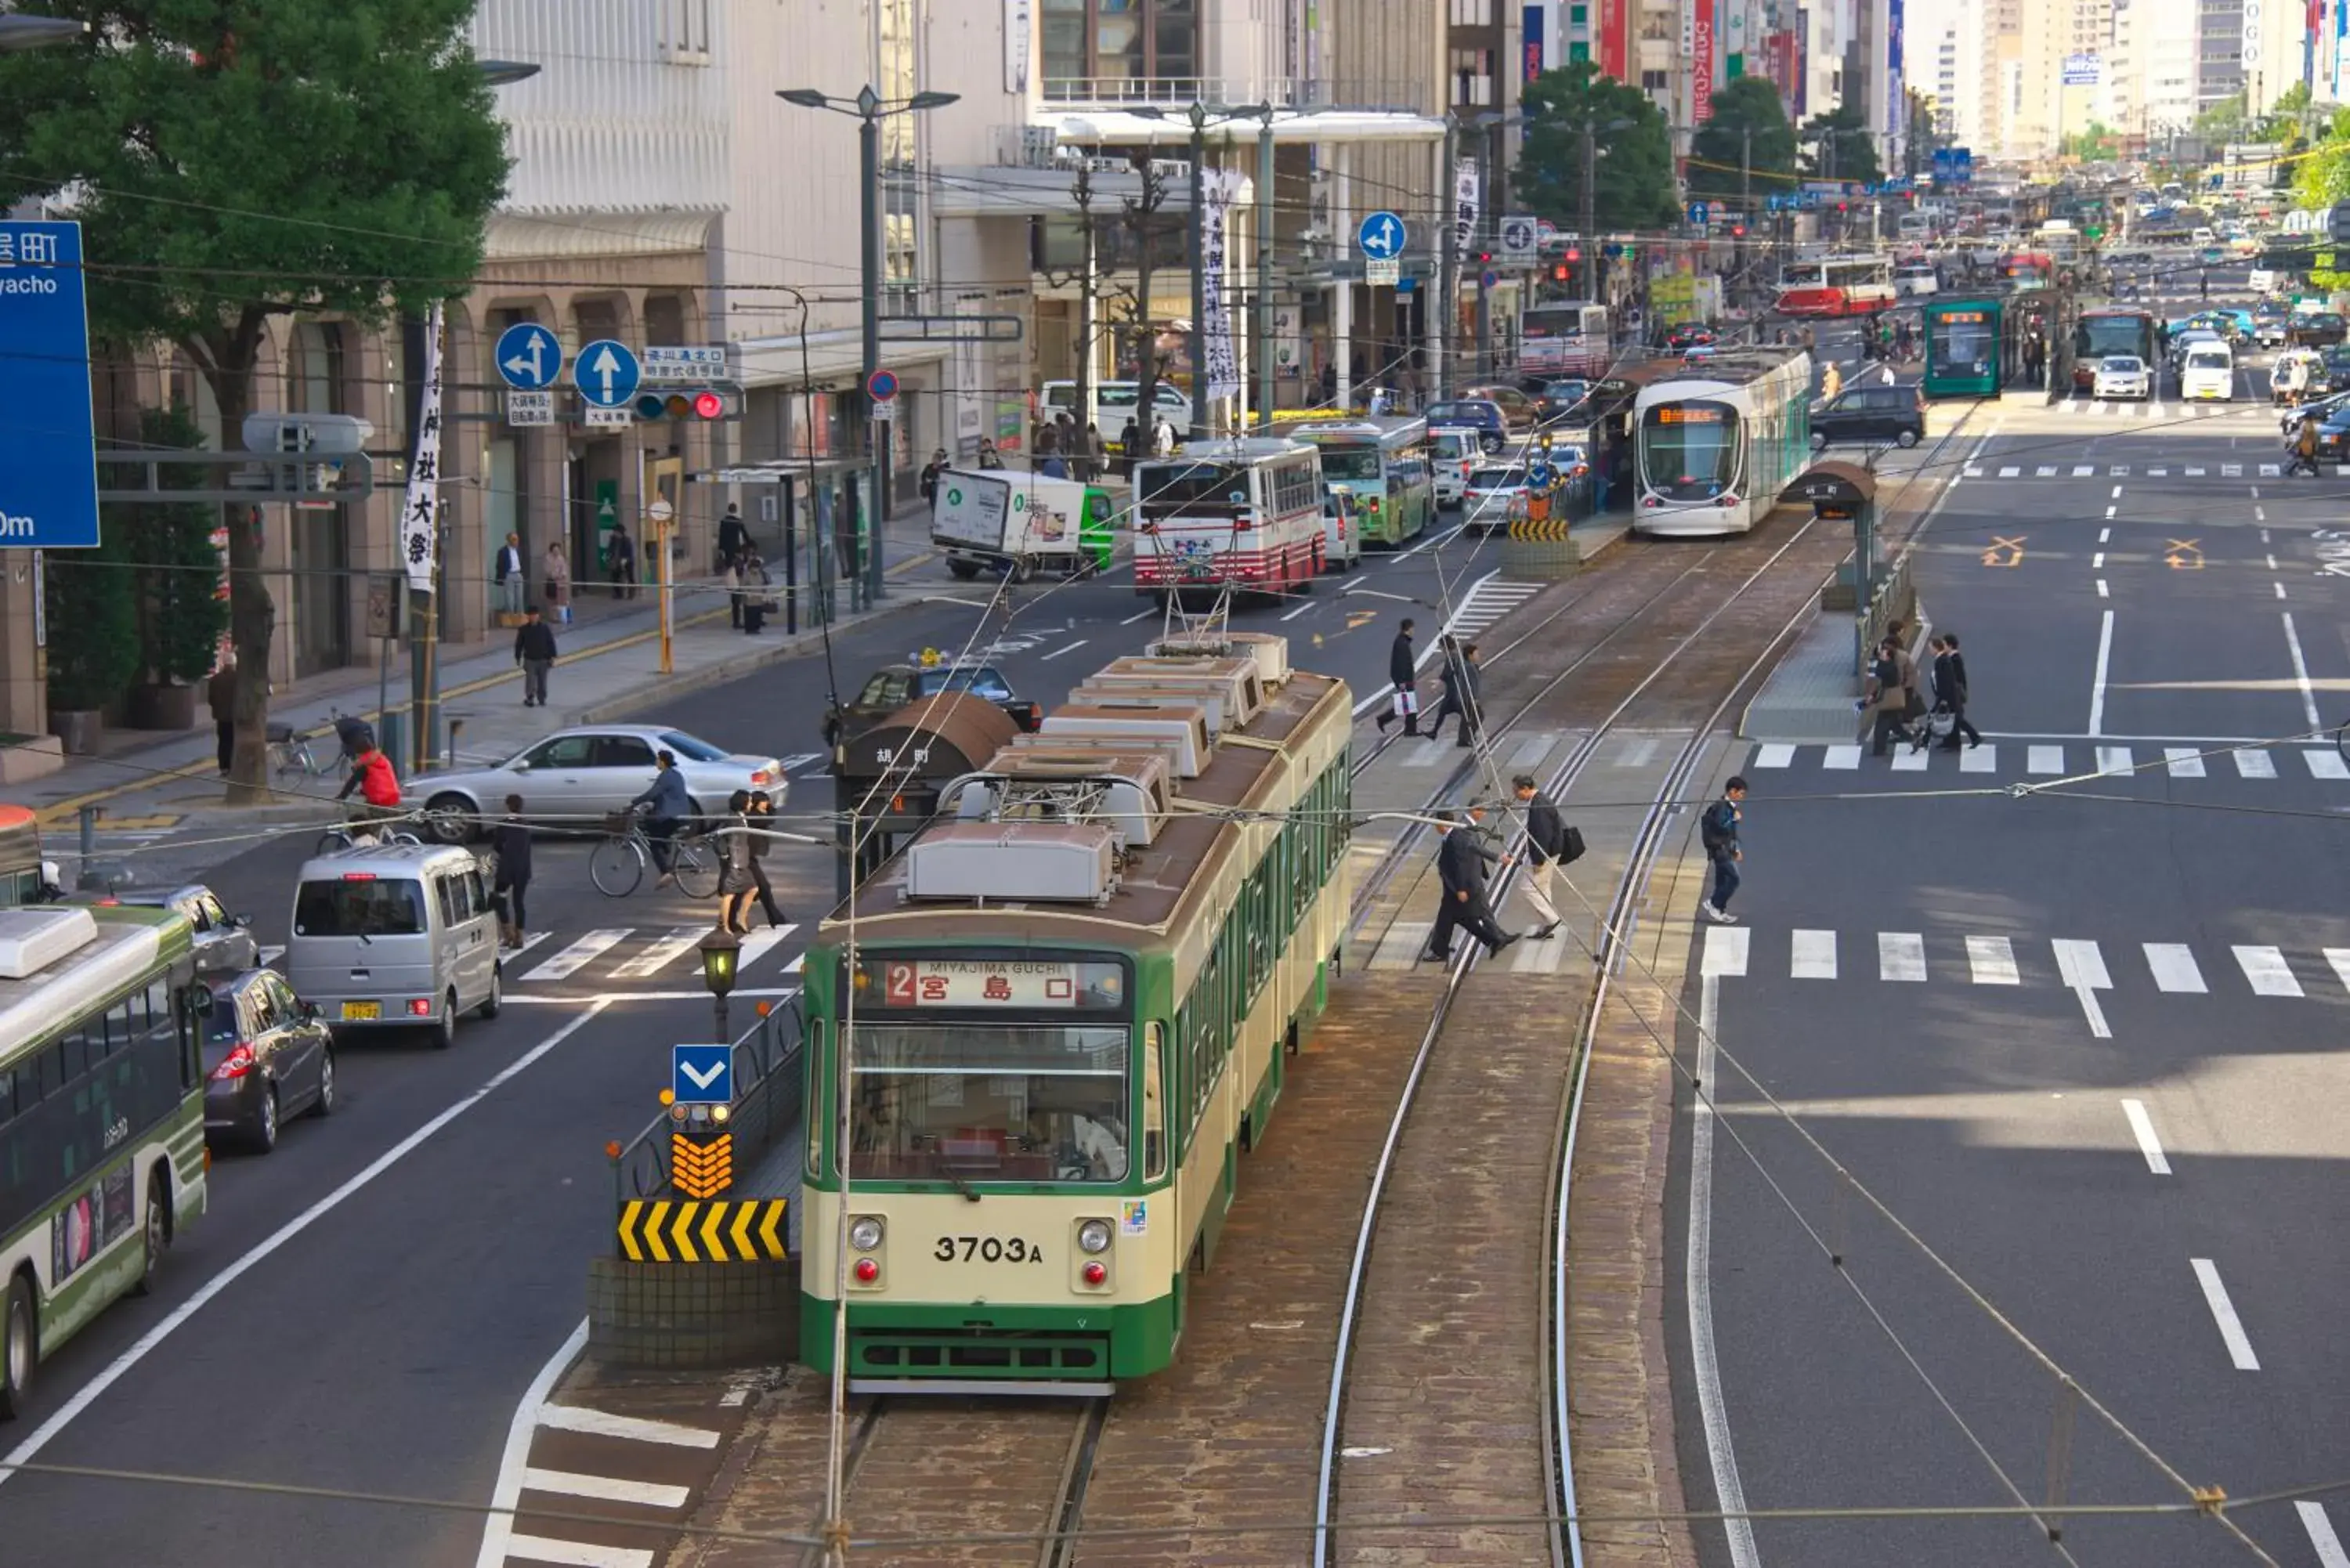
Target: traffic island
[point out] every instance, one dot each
(702, 1314)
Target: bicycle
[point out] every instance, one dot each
(617, 864)
(362, 835)
(291, 753)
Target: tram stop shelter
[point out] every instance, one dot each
(886, 779)
(1845, 492)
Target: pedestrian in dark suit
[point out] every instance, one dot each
(1950, 691)
(1460, 861)
(1405, 673)
(1471, 697)
(1448, 670)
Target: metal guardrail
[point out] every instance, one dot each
(770, 1089)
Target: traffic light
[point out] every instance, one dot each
(691, 403)
(1562, 272)
(1573, 254)
(1737, 231)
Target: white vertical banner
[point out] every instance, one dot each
(1019, 33)
(1224, 369)
(1465, 189)
(418, 540)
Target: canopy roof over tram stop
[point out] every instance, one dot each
(886, 778)
(1846, 492)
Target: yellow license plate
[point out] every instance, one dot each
(354, 1011)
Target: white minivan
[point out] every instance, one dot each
(2208, 374)
(1114, 404)
(396, 936)
(1452, 455)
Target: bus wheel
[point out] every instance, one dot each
(19, 1348)
(156, 1235)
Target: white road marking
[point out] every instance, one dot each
(2044, 759)
(1841, 757)
(1300, 610)
(1981, 758)
(2326, 764)
(2223, 1312)
(2279, 587)
(2193, 472)
(2044, 472)
(575, 1553)
(1900, 955)
(2300, 674)
(2101, 588)
(1779, 754)
(252, 1258)
(2098, 561)
(2251, 762)
(1910, 760)
(2098, 691)
(1636, 752)
(755, 945)
(2082, 968)
(1144, 615)
(661, 952)
(2114, 760)
(2149, 1145)
(1425, 754)
(497, 1531)
(579, 954)
(2104, 534)
(2231, 471)
(2322, 1539)
(2339, 959)
(633, 1428)
(1726, 950)
(1072, 647)
(2010, 473)
(2084, 470)
(799, 760)
(1814, 957)
(2272, 565)
(2184, 761)
(2272, 471)
(2174, 968)
(1532, 748)
(1730, 1492)
(2266, 971)
(1990, 960)
(607, 1489)
(2111, 509)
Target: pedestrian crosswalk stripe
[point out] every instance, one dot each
(2184, 761)
(2080, 964)
(2194, 472)
(1843, 757)
(2113, 759)
(578, 955)
(2322, 1539)
(2044, 472)
(2157, 473)
(661, 953)
(2253, 762)
(1815, 955)
(2231, 471)
(1991, 960)
(2272, 471)
(1900, 955)
(1726, 950)
(2174, 968)
(1982, 758)
(1532, 749)
(1910, 760)
(2267, 973)
(2084, 471)
(755, 945)
(2044, 759)
(1774, 754)
(1425, 754)
(1539, 955)
(1971, 471)
(2010, 473)
(2326, 764)
(2338, 959)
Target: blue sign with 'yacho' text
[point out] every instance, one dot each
(48, 451)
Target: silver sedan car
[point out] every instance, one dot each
(574, 777)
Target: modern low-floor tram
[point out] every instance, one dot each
(1718, 439)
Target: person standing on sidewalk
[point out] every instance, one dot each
(557, 568)
(535, 651)
(1718, 832)
(624, 565)
(1461, 857)
(1405, 673)
(513, 577)
(734, 537)
(511, 839)
(220, 695)
(1551, 843)
(928, 483)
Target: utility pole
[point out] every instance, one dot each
(1590, 210)
(1262, 315)
(1088, 413)
(868, 162)
(1448, 276)
(1199, 270)
(1745, 204)
(1140, 215)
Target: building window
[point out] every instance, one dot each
(314, 368)
(1472, 13)
(1105, 43)
(1473, 77)
(1654, 81)
(685, 32)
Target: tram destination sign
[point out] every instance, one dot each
(998, 982)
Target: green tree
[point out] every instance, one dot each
(1633, 187)
(2096, 143)
(233, 161)
(1748, 130)
(174, 563)
(93, 626)
(2223, 122)
(1842, 147)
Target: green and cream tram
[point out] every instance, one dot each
(1069, 1006)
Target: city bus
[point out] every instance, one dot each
(1243, 513)
(101, 1117)
(2115, 329)
(1564, 337)
(1720, 438)
(1963, 345)
(1836, 285)
(1377, 471)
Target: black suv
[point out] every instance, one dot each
(893, 686)
(1867, 414)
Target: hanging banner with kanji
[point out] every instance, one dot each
(418, 537)
(1224, 369)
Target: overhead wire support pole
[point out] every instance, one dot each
(1199, 225)
(1448, 268)
(1263, 313)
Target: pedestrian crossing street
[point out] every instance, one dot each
(2058, 760)
(2073, 964)
(621, 955)
(1487, 603)
(2142, 471)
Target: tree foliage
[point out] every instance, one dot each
(93, 645)
(1842, 147)
(234, 160)
(1748, 130)
(175, 566)
(2093, 145)
(1634, 184)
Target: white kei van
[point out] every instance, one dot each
(396, 936)
(2209, 374)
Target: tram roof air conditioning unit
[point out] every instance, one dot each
(1130, 793)
(1270, 649)
(1232, 682)
(1007, 863)
(1113, 720)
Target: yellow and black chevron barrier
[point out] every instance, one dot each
(699, 1169)
(1551, 528)
(729, 1230)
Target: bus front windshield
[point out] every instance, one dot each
(1689, 451)
(1350, 463)
(1192, 489)
(2098, 336)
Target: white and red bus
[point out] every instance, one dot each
(1244, 512)
(1564, 337)
(1836, 285)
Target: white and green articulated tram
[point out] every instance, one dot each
(1042, 1036)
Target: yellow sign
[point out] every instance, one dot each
(2184, 556)
(735, 1230)
(702, 1169)
(2005, 552)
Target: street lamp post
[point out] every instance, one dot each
(721, 952)
(868, 108)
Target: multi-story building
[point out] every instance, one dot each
(2219, 51)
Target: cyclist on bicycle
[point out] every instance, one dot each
(665, 806)
(379, 787)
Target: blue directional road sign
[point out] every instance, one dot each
(1697, 214)
(1380, 236)
(49, 448)
(606, 373)
(529, 357)
(702, 1074)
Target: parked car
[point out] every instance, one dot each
(2123, 376)
(585, 772)
(1486, 505)
(1690, 334)
(225, 942)
(266, 1056)
(1871, 413)
(927, 674)
(2317, 328)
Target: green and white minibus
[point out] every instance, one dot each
(101, 1117)
(1380, 466)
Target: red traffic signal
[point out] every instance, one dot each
(1737, 231)
(684, 403)
(1560, 273)
(1575, 252)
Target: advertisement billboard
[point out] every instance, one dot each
(1702, 62)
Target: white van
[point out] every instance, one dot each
(2209, 372)
(1114, 404)
(396, 936)
(1452, 453)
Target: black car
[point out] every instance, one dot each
(267, 1055)
(2333, 436)
(1555, 400)
(1691, 335)
(2317, 329)
(893, 686)
(1872, 413)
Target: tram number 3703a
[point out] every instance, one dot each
(987, 1250)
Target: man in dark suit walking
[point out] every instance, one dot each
(1461, 858)
(1405, 673)
(1951, 690)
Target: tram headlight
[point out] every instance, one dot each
(1093, 1236)
(865, 1232)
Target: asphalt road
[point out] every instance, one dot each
(2078, 1040)
(364, 1308)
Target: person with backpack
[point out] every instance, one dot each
(1718, 832)
(1551, 843)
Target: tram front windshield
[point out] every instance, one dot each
(1689, 451)
(1963, 342)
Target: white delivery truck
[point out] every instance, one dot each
(1005, 520)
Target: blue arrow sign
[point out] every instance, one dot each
(529, 357)
(48, 462)
(1380, 236)
(702, 1074)
(606, 373)
(1698, 214)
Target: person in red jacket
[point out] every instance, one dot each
(379, 786)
